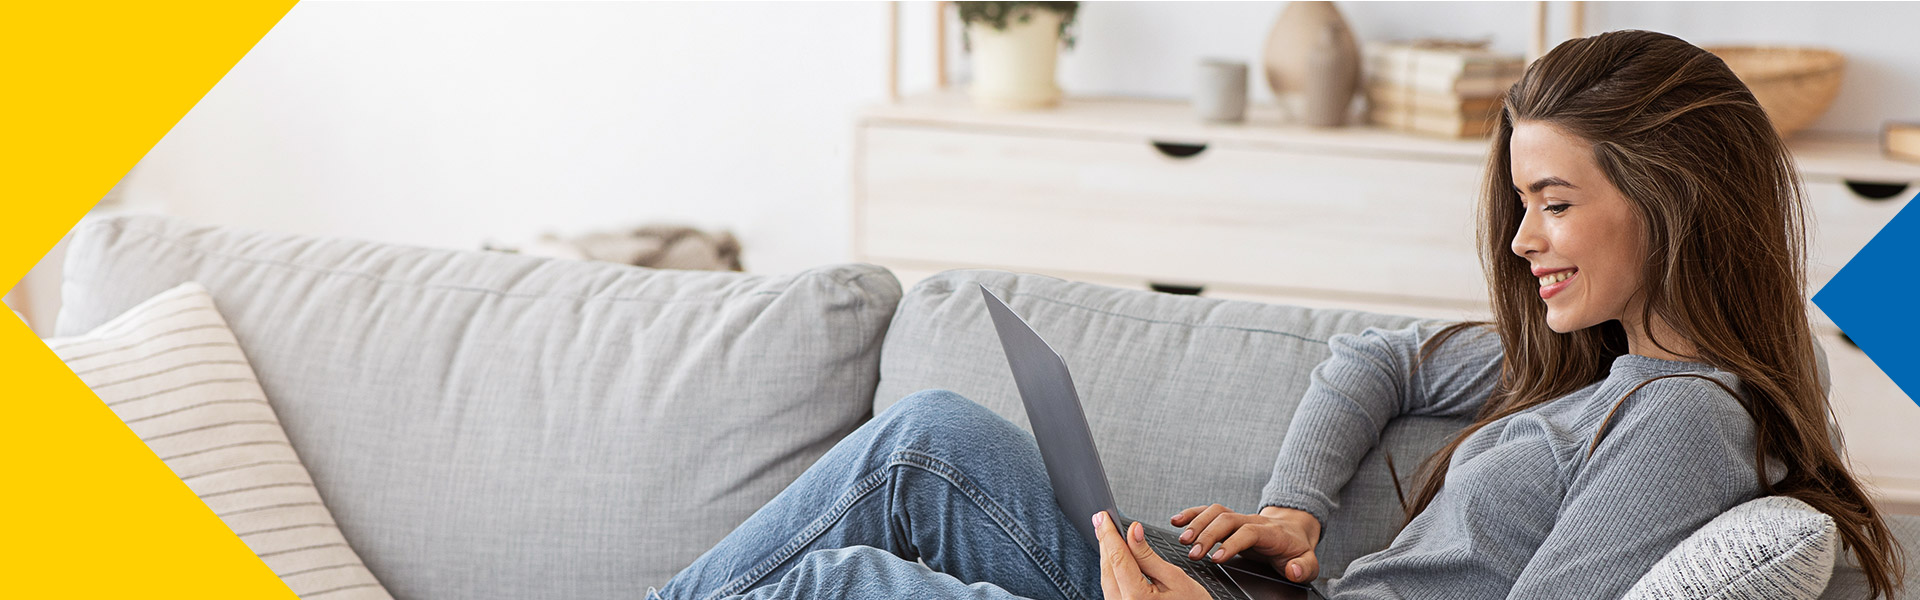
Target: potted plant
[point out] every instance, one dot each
(1015, 47)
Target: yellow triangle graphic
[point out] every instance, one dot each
(86, 510)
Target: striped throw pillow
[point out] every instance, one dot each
(1769, 548)
(172, 370)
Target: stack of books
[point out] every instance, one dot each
(1446, 88)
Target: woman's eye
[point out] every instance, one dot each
(1557, 208)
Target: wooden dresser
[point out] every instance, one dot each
(1139, 193)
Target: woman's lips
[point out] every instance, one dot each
(1547, 291)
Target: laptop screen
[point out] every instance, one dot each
(1059, 425)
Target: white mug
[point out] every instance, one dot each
(1220, 91)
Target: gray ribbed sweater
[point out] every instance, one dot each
(1524, 512)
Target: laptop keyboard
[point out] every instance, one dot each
(1204, 571)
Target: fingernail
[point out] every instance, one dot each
(1186, 537)
(1139, 533)
(1219, 555)
(1293, 571)
(1195, 552)
(1098, 520)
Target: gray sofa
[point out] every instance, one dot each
(488, 425)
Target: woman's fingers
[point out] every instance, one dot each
(1240, 541)
(1303, 569)
(1215, 531)
(1290, 548)
(1181, 519)
(1120, 576)
(1150, 563)
(1198, 523)
(1109, 588)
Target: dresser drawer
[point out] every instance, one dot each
(1232, 214)
(1879, 422)
(1840, 223)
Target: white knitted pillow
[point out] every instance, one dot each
(1771, 548)
(172, 370)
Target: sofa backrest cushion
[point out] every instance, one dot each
(1188, 397)
(1849, 582)
(489, 425)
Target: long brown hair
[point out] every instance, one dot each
(1723, 213)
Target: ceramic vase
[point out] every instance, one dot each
(1333, 76)
(1289, 49)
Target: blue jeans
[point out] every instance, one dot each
(935, 478)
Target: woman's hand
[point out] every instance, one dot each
(1129, 570)
(1283, 536)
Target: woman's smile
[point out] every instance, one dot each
(1554, 280)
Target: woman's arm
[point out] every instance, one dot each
(1679, 453)
(1368, 381)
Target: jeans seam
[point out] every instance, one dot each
(866, 486)
(860, 490)
(1007, 524)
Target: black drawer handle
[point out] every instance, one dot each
(1179, 150)
(1180, 290)
(1874, 190)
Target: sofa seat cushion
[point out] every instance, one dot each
(489, 425)
(1849, 582)
(1188, 397)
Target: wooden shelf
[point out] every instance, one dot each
(1171, 121)
(1834, 157)
(1821, 156)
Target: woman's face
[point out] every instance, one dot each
(1578, 233)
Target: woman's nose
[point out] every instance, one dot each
(1527, 239)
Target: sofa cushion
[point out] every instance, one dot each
(489, 425)
(1188, 397)
(170, 368)
(1771, 548)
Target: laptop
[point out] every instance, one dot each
(1080, 482)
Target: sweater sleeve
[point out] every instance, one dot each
(1367, 381)
(1665, 468)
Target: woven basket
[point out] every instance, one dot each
(1794, 84)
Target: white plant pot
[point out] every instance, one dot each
(1013, 69)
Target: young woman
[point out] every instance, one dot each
(1649, 367)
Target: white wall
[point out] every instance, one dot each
(452, 123)
(447, 124)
